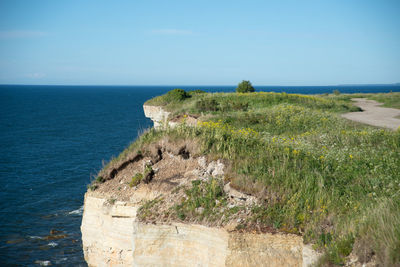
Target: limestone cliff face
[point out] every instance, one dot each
(112, 236)
(107, 232)
(157, 114)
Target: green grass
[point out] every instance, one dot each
(390, 100)
(227, 102)
(173, 97)
(202, 202)
(315, 173)
(136, 179)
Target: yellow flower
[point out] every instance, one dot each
(351, 156)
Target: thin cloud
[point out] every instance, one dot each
(4, 35)
(36, 75)
(172, 32)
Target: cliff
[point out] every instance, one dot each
(114, 235)
(248, 179)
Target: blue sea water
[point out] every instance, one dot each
(53, 139)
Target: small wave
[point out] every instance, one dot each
(77, 212)
(43, 263)
(61, 260)
(36, 237)
(52, 244)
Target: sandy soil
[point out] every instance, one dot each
(373, 114)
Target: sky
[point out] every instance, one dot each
(146, 42)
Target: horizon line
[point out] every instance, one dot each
(149, 85)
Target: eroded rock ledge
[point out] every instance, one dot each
(157, 114)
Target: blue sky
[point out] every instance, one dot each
(199, 42)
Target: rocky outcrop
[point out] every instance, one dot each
(112, 236)
(157, 114)
(163, 119)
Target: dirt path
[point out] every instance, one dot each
(375, 115)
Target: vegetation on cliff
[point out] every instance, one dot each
(334, 181)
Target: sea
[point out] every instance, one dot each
(54, 139)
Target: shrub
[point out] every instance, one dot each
(207, 105)
(195, 92)
(245, 87)
(232, 105)
(100, 179)
(136, 179)
(176, 95)
(93, 187)
(336, 92)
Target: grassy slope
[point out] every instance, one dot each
(334, 181)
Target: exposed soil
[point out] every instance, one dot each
(175, 165)
(171, 169)
(373, 114)
(187, 119)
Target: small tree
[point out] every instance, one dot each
(245, 87)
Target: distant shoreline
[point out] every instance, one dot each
(207, 85)
(162, 89)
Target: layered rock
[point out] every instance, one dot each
(112, 236)
(107, 232)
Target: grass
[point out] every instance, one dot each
(390, 100)
(333, 181)
(202, 200)
(136, 179)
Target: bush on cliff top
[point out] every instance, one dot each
(173, 96)
(245, 87)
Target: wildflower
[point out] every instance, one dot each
(351, 156)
